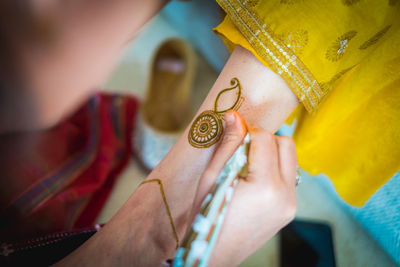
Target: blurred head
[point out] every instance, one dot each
(18, 29)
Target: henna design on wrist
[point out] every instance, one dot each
(171, 221)
(207, 128)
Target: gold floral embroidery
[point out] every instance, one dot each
(327, 87)
(338, 48)
(295, 40)
(275, 53)
(350, 2)
(374, 39)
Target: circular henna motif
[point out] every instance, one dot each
(206, 130)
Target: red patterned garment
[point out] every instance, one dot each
(60, 178)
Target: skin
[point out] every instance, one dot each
(262, 204)
(139, 234)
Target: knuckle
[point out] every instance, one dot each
(264, 136)
(287, 140)
(231, 137)
(287, 143)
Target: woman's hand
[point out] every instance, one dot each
(264, 202)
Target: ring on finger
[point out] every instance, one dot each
(298, 176)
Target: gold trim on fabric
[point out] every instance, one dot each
(279, 57)
(295, 40)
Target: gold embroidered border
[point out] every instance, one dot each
(280, 58)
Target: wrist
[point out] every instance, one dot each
(268, 100)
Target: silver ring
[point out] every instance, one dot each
(298, 176)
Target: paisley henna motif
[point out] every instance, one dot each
(207, 128)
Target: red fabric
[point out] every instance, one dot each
(59, 179)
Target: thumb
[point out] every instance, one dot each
(235, 131)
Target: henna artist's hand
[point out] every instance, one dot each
(264, 202)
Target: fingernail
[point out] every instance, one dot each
(229, 118)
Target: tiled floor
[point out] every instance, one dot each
(353, 246)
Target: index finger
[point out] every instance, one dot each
(263, 154)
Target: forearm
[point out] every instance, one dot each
(131, 237)
(142, 224)
(268, 101)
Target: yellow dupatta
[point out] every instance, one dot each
(341, 58)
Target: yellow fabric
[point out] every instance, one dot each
(341, 58)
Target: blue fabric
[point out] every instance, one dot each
(195, 21)
(381, 216)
